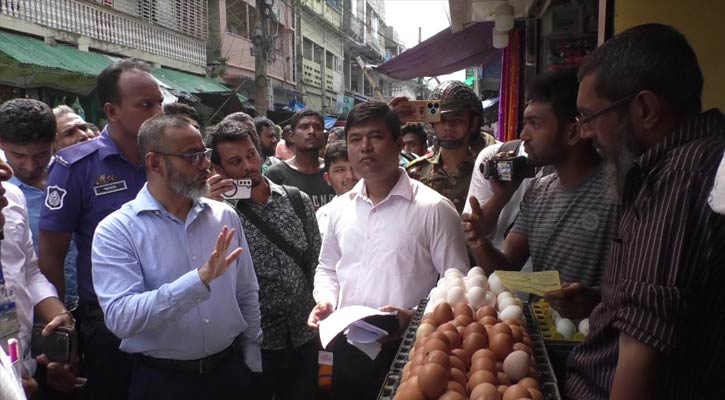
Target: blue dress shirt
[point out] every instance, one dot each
(145, 263)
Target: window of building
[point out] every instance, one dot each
(307, 48)
(319, 51)
(332, 62)
(237, 22)
(148, 10)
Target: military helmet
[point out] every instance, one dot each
(455, 96)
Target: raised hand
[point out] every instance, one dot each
(218, 264)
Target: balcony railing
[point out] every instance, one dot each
(107, 25)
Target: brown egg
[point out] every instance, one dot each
(488, 321)
(479, 377)
(440, 335)
(512, 322)
(460, 330)
(501, 345)
(502, 327)
(438, 357)
(484, 363)
(454, 339)
(458, 376)
(462, 320)
(463, 309)
(419, 342)
(473, 342)
(527, 341)
(410, 390)
(429, 321)
(415, 369)
(435, 344)
(523, 347)
(502, 389)
(503, 378)
(433, 380)
(516, 333)
(529, 383)
(463, 356)
(473, 327)
(457, 387)
(516, 392)
(452, 395)
(418, 359)
(499, 366)
(533, 373)
(485, 391)
(486, 311)
(456, 362)
(448, 326)
(536, 394)
(442, 313)
(483, 353)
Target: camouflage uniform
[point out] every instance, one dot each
(429, 170)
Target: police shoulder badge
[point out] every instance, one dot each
(54, 197)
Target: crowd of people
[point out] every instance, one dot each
(128, 238)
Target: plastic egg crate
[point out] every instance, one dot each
(548, 327)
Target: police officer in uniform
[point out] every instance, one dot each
(448, 171)
(85, 184)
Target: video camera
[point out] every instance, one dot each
(508, 168)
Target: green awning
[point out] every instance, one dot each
(188, 83)
(27, 62)
(34, 52)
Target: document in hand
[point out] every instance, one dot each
(341, 319)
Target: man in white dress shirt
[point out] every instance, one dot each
(387, 241)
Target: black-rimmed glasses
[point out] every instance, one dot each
(584, 120)
(195, 159)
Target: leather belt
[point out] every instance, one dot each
(200, 366)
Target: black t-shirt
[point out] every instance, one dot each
(312, 184)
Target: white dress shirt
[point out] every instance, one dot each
(20, 267)
(390, 253)
(717, 196)
(323, 215)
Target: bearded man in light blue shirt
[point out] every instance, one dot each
(167, 282)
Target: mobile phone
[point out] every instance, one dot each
(242, 190)
(419, 111)
(59, 346)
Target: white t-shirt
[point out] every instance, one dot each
(390, 253)
(717, 196)
(481, 189)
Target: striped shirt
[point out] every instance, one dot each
(665, 281)
(569, 230)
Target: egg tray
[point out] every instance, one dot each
(547, 378)
(548, 328)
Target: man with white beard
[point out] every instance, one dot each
(156, 264)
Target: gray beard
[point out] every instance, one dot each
(184, 188)
(617, 168)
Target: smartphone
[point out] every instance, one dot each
(419, 111)
(242, 190)
(59, 346)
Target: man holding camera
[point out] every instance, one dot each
(284, 242)
(567, 220)
(448, 170)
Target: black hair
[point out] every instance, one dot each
(297, 117)
(107, 81)
(364, 112)
(152, 133)
(559, 89)
(183, 110)
(418, 130)
(652, 57)
(335, 151)
(228, 131)
(262, 122)
(26, 121)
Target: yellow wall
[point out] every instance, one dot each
(701, 21)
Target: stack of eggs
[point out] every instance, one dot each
(471, 350)
(566, 327)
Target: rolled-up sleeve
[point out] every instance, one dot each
(119, 283)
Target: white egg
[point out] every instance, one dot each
(441, 282)
(424, 330)
(454, 281)
(476, 297)
(475, 281)
(495, 283)
(476, 271)
(434, 292)
(490, 299)
(511, 312)
(566, 327)
(555, 316)
(516, 365)
(584, 326)
(505, 302)
(453, 272)
(455, 295)
(503, 295)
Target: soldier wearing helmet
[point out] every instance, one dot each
(448, 170)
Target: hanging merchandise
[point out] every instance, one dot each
(508, 105)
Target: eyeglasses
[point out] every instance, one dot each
(195, 159)
(584, 120)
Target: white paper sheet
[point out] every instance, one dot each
(339, 320)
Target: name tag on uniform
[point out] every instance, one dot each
(9, 324)
(112, 187)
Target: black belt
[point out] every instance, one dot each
(200, 366)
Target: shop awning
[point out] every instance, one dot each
(189, 83)
(444, 53)
(28, 62)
